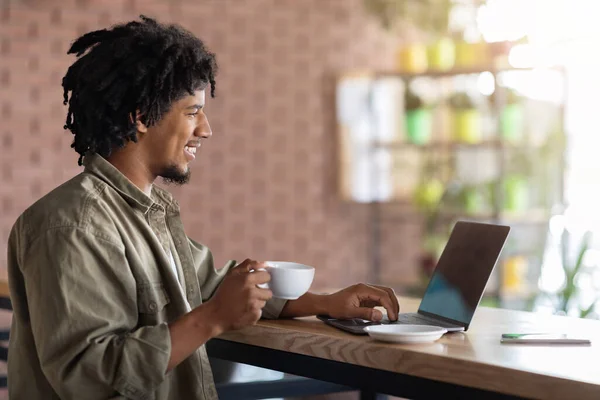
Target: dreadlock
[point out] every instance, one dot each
(138, 67)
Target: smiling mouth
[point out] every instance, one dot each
(190, 151)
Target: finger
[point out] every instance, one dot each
(370, 314)
(263, 294)
(259, 277)
(256, 315)
(381, 296)
(257, 266)
(244, 266)
(369, 303)
(257, 304)
(261, 304)
(394, 300)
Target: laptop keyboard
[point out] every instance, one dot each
(418, 319)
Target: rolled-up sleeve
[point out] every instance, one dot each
(273, 308)
(210, 278)
(83, 312)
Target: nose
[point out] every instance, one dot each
(203, 129)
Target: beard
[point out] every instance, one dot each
(172, 175)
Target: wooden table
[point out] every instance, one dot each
(4, 295)
(4, 292)
(460, 365)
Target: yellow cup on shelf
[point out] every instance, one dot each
(412, 58)
(441, 54)
(467, 126)
(514, 272)
(472, 55)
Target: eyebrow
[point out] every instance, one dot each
(198, 106)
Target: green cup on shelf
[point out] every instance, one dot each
(511, 123)
(474, 200)
(418, 125)
(515, 193)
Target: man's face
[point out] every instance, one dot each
(175, 139)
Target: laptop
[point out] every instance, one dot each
(457, 284)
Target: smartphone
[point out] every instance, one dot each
(355, 326)
(542, 338)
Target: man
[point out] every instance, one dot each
(111, 298)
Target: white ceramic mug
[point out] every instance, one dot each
(289, 280)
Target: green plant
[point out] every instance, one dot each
(549, 165)
(461, 101)
(572, 269)
(430, 16)
(413, 101)
(506, 96)
(512, 97)
(430, 192)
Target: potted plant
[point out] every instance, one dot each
(474, 199)
(412, 58)
(430, 18)
(511, 117)
(519, 181)
(516, 193)
(564, 300)
(418, 118)
(427, 199)
(467, 118)
(441, 54)
(472, 55)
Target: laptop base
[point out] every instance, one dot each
(419, 319)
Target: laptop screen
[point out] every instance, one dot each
(463, 270)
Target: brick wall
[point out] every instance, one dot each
(264, 185)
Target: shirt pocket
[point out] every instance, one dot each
(152, 298)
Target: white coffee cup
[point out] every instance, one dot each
(289, 280)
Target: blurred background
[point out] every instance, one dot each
(352, 134)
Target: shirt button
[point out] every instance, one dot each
(152, 306)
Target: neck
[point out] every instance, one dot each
(130, 164)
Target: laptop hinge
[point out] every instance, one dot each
(451, 321)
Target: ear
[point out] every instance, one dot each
(140, 126)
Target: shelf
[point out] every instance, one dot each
(406, 211)
(531, 216)
(456, 71)
(496, 144)
(388, 164)
(454, 145)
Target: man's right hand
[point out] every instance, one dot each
(238, 301)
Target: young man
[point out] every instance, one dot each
(111, 298)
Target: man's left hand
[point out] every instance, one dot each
(358, 301)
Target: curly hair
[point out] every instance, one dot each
(137, 68)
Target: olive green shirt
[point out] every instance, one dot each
(93, 290)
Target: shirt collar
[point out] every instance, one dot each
(97, 165)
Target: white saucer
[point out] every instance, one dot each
(402, 333)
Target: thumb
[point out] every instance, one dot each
(371, 314)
